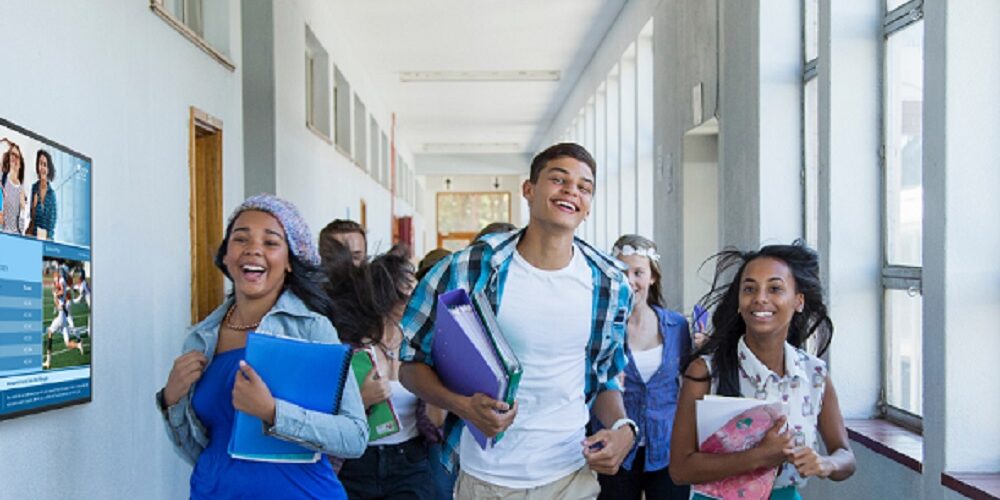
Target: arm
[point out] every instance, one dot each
(840, 463)
(481, 410)
(688, 465)
(607, 448)
(344, 434)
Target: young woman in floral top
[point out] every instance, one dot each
(761, 322)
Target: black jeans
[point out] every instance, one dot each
(397, 471)
(630, 484)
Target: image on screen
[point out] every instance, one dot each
(46, 339)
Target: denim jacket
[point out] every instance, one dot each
(344, 434)
(653, 404)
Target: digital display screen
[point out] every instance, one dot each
(46, 340)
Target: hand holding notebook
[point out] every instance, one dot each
(746, 422)
(472, 358)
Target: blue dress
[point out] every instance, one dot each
(217, 475)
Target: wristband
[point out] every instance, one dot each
(622, 422)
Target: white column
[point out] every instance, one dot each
(961, 239)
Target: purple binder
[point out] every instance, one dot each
(458, 363)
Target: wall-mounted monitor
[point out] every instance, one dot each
(46, 339)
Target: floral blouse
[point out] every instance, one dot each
(801, 389)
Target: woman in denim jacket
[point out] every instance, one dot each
(269, 256)
(658, 341)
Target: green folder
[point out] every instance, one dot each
(504, 351)
(382, 420)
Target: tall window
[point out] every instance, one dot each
(317, 78)
(903, 32)
(810, 122)
(342, 111)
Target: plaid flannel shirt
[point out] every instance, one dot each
(483, 267)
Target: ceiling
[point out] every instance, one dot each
(394, 36)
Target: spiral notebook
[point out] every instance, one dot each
(310, 375)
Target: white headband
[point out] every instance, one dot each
(627, 250)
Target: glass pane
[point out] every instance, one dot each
(903, 328)
(810, 178)
(903, 151)
(811, 30)
(470, 212)
(892, 4)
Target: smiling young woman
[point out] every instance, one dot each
(761, 322)
(269, 256)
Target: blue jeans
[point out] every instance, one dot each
(397, 471)
(444, 481)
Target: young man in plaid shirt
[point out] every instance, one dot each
(563, 306)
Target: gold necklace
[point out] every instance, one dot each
(234, 326)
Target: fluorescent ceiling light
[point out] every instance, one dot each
(479, 76)
(472, 147)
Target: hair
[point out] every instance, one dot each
(655, 295)
(7, 165)
(494, 227)
(364, 296)
(338, 226)
(305, 280)
(427, 263)
(48, 158)
(561, 150)
(728, 326)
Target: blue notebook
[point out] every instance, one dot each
(311, 375)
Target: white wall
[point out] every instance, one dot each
(114, 81)
(310, 171)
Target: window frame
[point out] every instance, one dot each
(894, 276)
(810, 73)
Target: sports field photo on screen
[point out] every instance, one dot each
(66, 338)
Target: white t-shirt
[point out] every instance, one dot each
(547, 317)
(648, 361)
(404, 403)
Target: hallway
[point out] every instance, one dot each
(866, 128)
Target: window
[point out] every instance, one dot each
(190, 13)
(902, 221)
(810, 125)
(386, 162)
(342, 111)
(375, 165)
(317, 78)
(360, 134)
(461, 215)
(206, 24)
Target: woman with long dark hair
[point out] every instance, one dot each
(370, 299)
(43, 198)
(15, 201)
(269, 257)
(658, 341)
(761, 323)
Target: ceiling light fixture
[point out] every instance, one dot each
(472, 147)
(480, 76)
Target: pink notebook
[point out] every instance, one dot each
(741, 433)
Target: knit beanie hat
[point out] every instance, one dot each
(300, 239)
